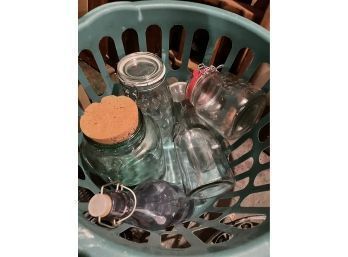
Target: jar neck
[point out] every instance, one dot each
(135, 139)
(122, 204)
(132, 86)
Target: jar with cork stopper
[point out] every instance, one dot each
(120, 143)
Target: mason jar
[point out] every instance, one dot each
(137, 158)
(230, 107)
(142, 75)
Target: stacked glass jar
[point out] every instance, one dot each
(142, 75)
(123, 145)
(143, 78)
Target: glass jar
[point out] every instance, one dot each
(205, 170)
(230, 107)
(204, 167)
(132, 161)
(142, 75)
(184, 112)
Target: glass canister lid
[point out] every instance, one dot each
(140, 69)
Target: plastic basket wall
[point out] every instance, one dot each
(226, 228)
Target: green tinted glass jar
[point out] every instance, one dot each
(132, 161)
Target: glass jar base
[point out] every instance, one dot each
(248, 116)
(211, 190)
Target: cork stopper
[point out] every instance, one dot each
(111, 121)
(100, 205)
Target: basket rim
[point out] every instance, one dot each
(86, 19)
(259, 246)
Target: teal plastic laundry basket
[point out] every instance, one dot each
(228, 227)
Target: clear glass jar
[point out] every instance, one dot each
(142, 75)
(132, 161)
(230, 107)
(204, 168)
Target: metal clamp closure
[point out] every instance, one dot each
(116, 222)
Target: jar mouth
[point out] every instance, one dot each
(206, 89)
(248, 115)
(141, 70)
(211, 190)
(178, 91)
(138, 135)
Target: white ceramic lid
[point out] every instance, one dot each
(100, 205)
